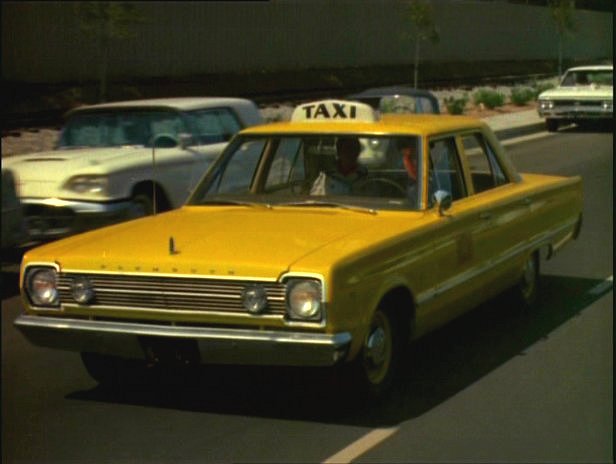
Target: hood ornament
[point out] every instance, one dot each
(172, 250)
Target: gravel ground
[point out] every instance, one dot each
(36, 140)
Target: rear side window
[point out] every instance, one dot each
(486, 172)
(445, 172)
(213, 125)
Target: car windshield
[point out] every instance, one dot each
(406, 104)
(371, 172)
(120, 127)
(142, 127)
(596, 77)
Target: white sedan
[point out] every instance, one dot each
(121, 160)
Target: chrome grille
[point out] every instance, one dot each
(171, 293)
(592, 103)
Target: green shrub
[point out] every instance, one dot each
(490, 98)
(520, 96)
(456, 105)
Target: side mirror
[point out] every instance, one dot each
(442, 198)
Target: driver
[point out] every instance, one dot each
(348, 170)
(408, 149)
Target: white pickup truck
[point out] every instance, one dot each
(121, 160)
(584, 95)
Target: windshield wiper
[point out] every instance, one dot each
(236, 203)
(330, 204)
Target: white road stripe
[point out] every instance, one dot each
(603, 286)
(525, 138)
(359, 447)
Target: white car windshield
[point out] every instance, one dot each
(133, 126)
(118, 128)
(373, 172)
(587, 77)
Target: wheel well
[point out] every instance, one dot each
(147, 187)
(401, 303)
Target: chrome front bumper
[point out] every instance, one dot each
(52, 218)
(215, 345)
(576, 112)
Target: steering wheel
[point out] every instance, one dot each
(382, 180)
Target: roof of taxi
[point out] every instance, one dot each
(419, 124)
(178, 103)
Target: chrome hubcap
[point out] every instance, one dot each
(376, 346)
(529, 276)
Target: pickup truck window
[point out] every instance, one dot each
(445, 172)
(486, 172)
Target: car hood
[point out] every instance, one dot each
(225, 241)
(37, 166)
(592, 92)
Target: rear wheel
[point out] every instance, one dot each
(526, 290)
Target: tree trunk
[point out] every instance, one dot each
(416, 70)
(560, 56)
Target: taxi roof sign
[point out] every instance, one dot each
(334, 111)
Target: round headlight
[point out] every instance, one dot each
(88, 184)
(42, 287)
(304, 299)
(82, 289)
(254, 299)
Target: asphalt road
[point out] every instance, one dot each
(495, 385)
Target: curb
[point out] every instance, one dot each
(511, 132)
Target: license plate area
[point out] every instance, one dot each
(167, 351)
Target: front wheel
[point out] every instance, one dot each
(141, 205)
(113, 372)
(551, 125)
(378, 360)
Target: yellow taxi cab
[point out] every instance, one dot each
(334, 238)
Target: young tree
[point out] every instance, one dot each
(106, 22)
(424, 28)
(562, 14)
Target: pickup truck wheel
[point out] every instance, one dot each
(377, 362)
(141, 205)
(526, 289)
(551, 125)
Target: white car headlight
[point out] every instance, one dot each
(41, 286)
(93, 184)
(304, 299)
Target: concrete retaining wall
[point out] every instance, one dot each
(41, 41)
